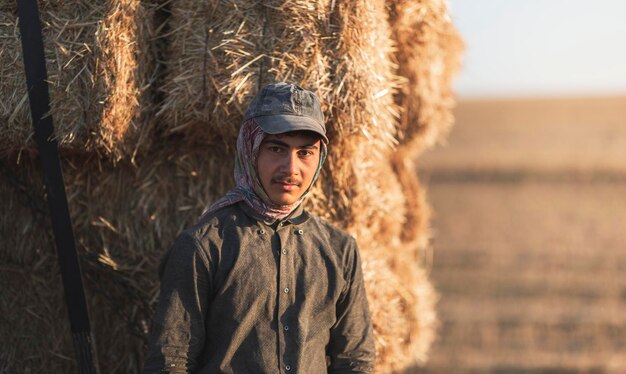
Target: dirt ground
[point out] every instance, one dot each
(583, 135)
(529, 238)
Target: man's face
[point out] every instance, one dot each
(286, 165)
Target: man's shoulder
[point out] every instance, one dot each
(210, 224)
(330, 230)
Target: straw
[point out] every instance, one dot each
(98, 73)
(382, 69)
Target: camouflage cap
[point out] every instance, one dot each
(282, 107)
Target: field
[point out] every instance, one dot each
(530, 237)
(576, 136)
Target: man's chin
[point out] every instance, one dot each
(284, 200)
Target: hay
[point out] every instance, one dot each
(221, 52)
(124, 219)
(384, 99)
(30, 296)
(429, 52)
(399, 280)
(97, 57)
(212, 67)
(409, 310)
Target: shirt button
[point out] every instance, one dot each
(287, 367)
(261, 231)
(286, 290)
(284, 251)
(299, 232)
(286, 328)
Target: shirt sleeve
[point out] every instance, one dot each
(178, 329)
(351, 348)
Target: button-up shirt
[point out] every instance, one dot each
(243, 294)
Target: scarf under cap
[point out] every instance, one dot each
(248, 188)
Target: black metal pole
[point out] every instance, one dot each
(36, 80)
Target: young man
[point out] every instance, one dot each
(259, 285)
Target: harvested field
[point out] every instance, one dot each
(531, 276)
(554, 136)
(529, 255)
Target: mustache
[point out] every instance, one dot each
(286, 180)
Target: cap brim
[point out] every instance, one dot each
(281, 123)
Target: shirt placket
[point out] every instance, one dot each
(285, 299)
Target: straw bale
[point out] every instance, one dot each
(400, 232)
(30, 297)
(383, 103)
(390, 239)
(429, 52)
(124, 218)
(99, 68)
(213, 58)
(406, 309)
(417, 211)
(221, 52)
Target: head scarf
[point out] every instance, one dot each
(248, 188)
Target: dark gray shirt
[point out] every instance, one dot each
(240, 294)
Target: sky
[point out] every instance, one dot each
(541, 47)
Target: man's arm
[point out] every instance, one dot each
(351, 348)
(178, 329)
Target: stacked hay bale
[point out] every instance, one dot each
(99, 67)
(124, 216)
(128, 205)
(424, 31)
(428, 54)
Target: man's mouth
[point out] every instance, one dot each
(287, 183)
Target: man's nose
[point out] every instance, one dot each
(290, 165)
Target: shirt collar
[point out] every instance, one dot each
(296, 217)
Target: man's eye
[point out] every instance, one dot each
(305, 153)
(275, 149)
